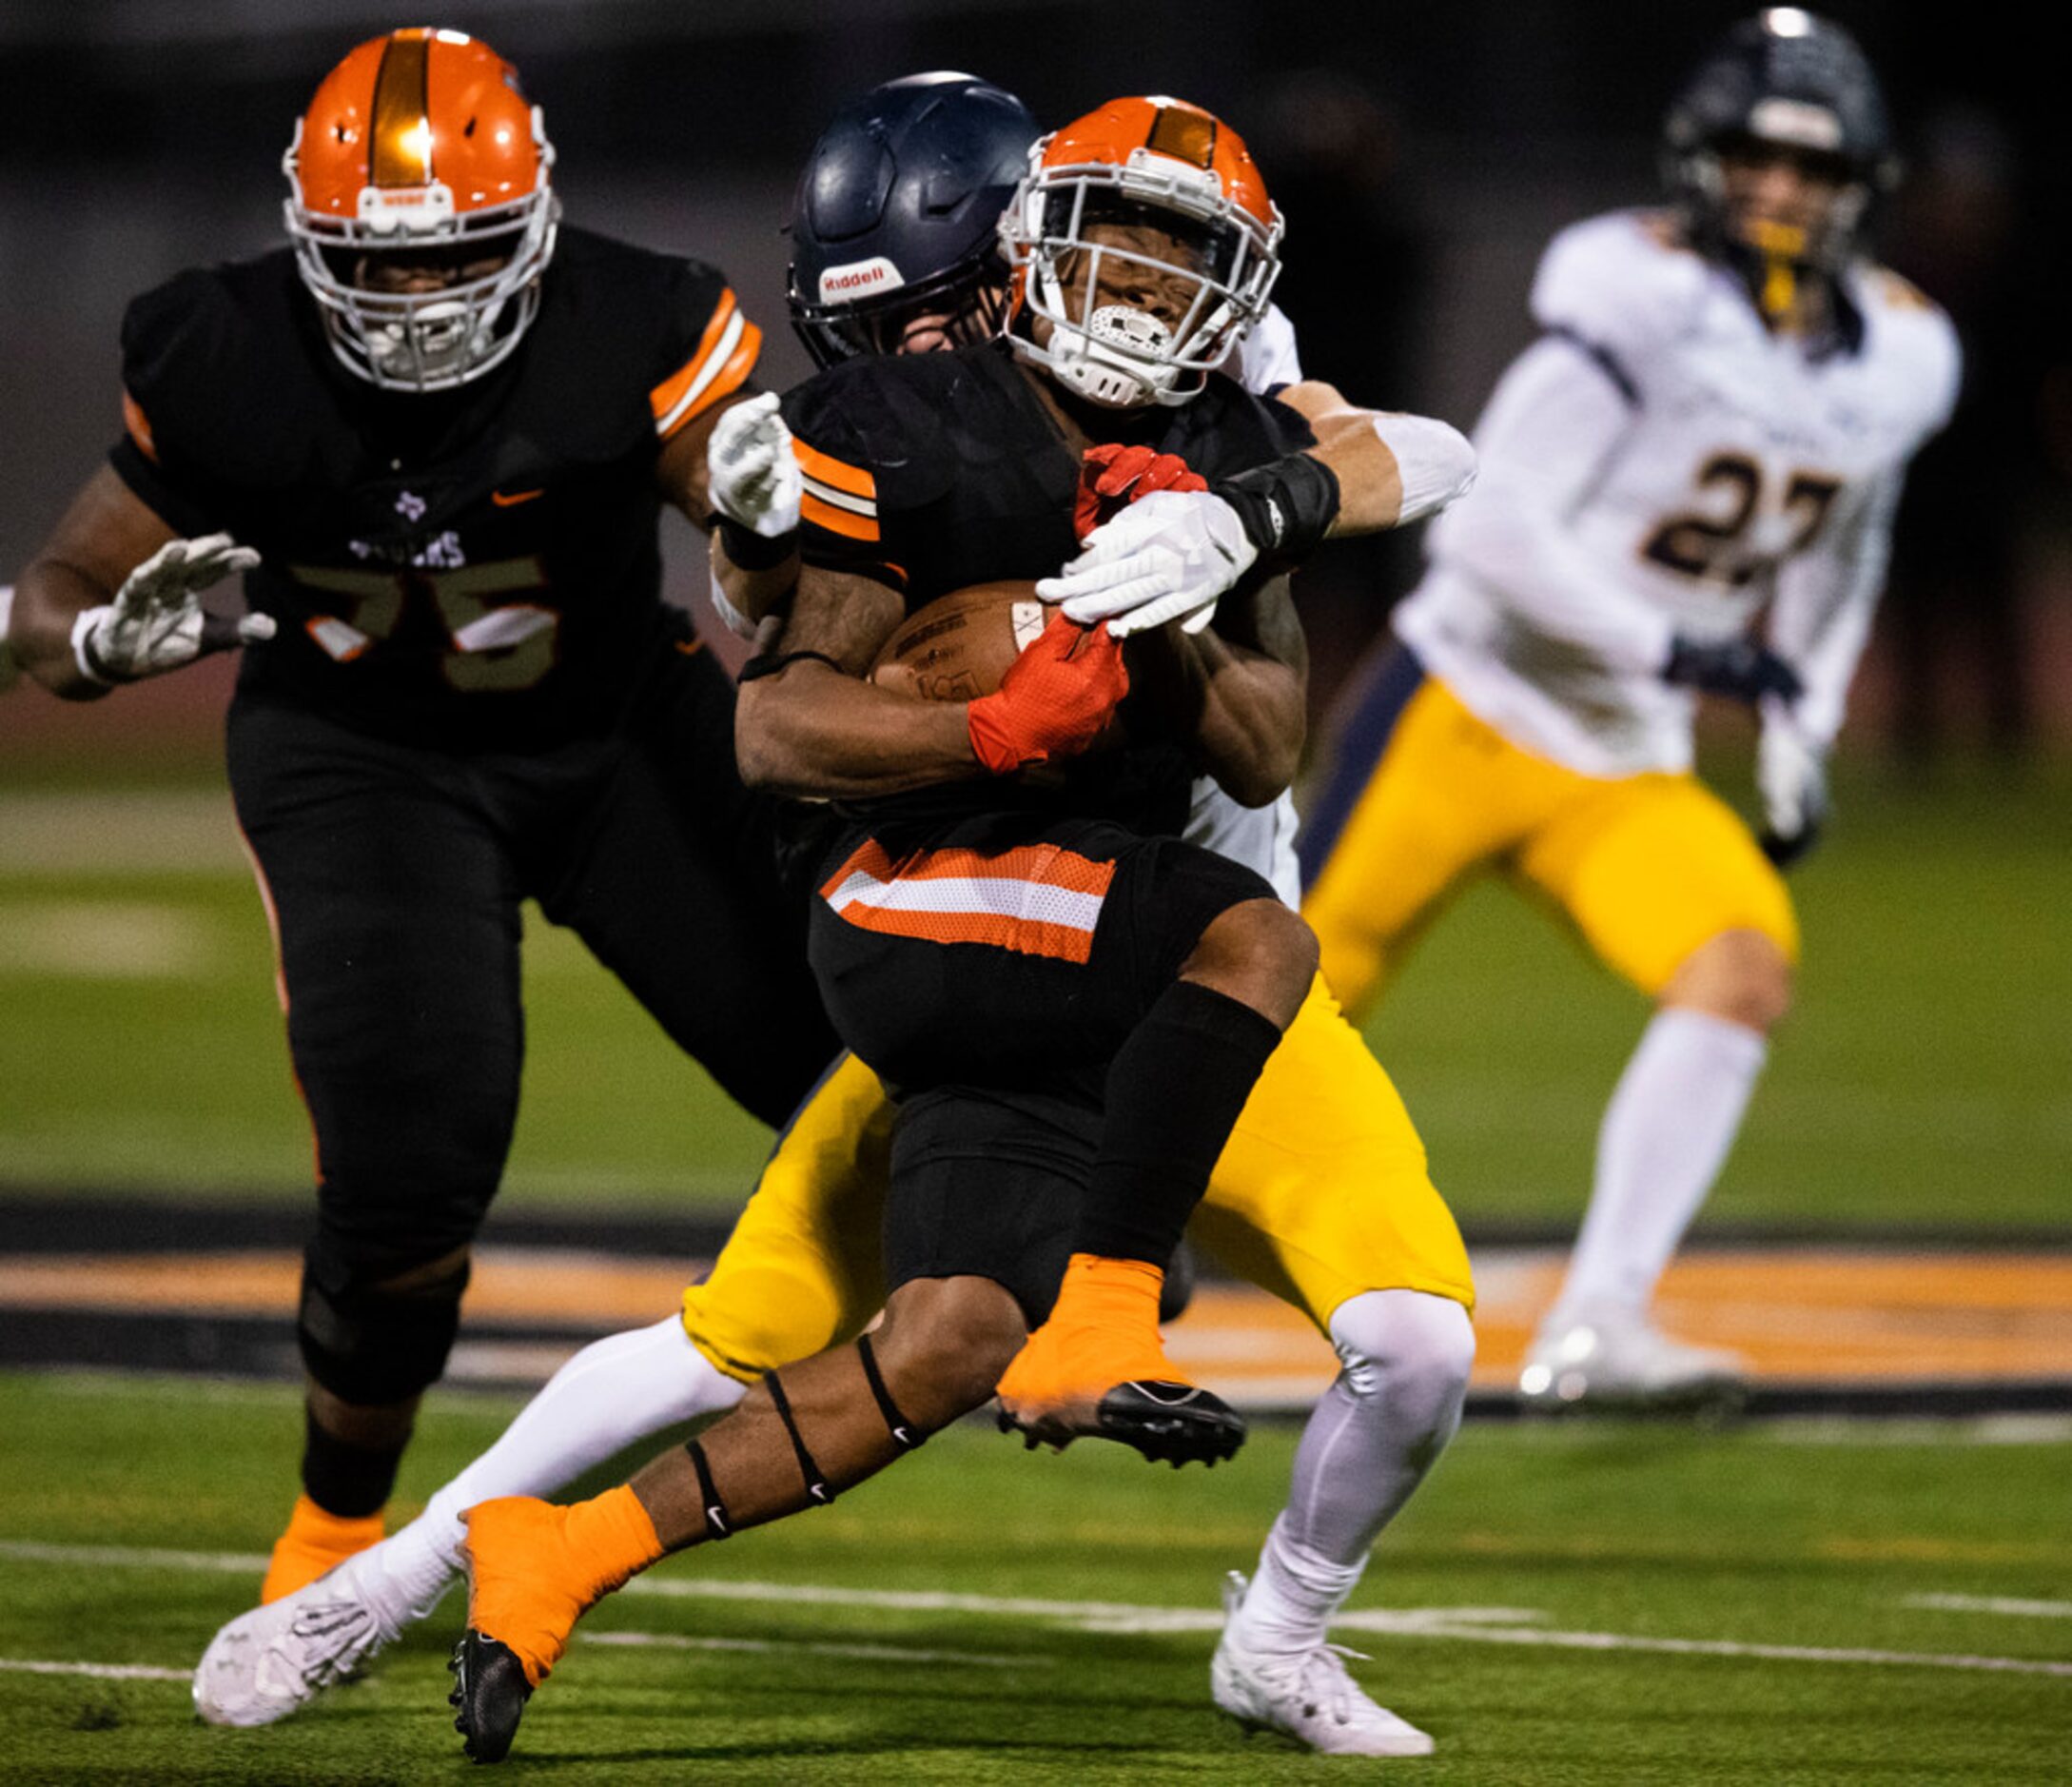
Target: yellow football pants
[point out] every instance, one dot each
(1321, 1193)
(1645, 868)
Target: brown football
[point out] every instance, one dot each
(959, 646)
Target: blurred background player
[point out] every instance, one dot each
(442, 427)
(802, 1270)
(1716, 419)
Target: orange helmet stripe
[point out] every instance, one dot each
(401, 127)
(1185, 134)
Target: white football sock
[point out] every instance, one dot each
(1665, 1137)
(1375, 1434)
(616, 1391)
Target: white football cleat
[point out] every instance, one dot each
(1617, 1358)
(1308, 1696)
(275, 1660)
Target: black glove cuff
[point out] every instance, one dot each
(1286, 505)
(750, 550)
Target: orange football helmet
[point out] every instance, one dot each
(1138, 162)
(420, 156)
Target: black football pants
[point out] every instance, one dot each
(395, 877)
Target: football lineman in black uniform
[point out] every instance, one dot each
(441, 428)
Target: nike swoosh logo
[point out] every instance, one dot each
(515, 498)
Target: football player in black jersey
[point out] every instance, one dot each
(441, 428)
(1008, 952)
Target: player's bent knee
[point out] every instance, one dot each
(1259, 953)
(1742, 976)
(944, 1342)
(1411, 1348)
(378, 1332)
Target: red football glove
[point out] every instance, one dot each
(1054, 701)
(1111, 478)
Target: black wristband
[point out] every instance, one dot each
(1286, 505)
(750, 550)
(768, 663)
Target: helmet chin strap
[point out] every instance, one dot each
(1085, 361)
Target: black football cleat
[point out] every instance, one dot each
(1170, 1424)
(1173, 1424)
(489, 1696)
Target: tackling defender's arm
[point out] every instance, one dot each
(1392, 468)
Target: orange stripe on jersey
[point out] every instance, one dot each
(849, 525)
(726, 355)
(852, 480)
(139, 425)
(1037, 899)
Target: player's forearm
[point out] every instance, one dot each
(1245, 711)
(814, 733)
(748, 595)
(1392, 468)
(49, 596)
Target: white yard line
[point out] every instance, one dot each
(2009, 1606)
(1465, 1624)
(868, 1653)
(98, 1672)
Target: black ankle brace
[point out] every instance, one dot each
(907, 1437)
(716, 1524)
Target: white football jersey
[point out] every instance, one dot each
(1659, 463)
(1262, 839)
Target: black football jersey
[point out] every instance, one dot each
(934, 472)
(471, 569)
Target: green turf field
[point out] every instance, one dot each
(1922, 1081)
(1529, 1601)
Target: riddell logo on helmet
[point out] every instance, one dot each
(859, 279)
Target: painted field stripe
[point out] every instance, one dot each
(98, 1672)
(866, 1653)
(134, 1557)
(2009, 1605)
(1108, 1615)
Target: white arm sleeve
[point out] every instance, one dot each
(1556, 418)
(9, 668)
(1825, 601)
(1433, 459)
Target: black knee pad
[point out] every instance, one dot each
(365, 1342)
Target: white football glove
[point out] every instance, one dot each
(753, 474)
(1167, 557)
(1791, 775)
(156, 622)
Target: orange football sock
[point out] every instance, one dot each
(315, 1541)
(1103, 1330)
(534, 1569)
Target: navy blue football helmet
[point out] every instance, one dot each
(897, 214)
(1788, 81)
